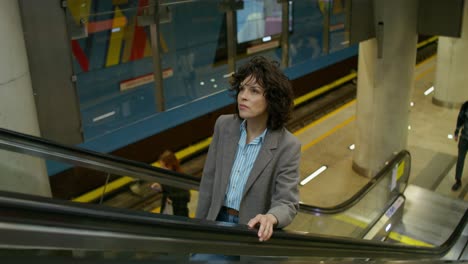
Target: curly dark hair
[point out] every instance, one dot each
(278, 90)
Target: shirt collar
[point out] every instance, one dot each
(258, 139)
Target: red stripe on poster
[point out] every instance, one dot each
(80, 56)
(139, 37)
(144, 79)
(108, 24)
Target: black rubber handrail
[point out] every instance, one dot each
(105, 228)
(35, 146)
(359, 195)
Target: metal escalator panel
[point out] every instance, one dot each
(429, 217)
(356, 218)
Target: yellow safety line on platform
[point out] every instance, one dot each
(328, 133)
(98, 192)
(392, 235)
(324, 89)
(419, 76)
(323, 118)
(190, 150)
(427, 41)
(350, 220)
(408, 240)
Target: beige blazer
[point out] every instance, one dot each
(272, 186)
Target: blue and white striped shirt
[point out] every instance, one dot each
(245, 158)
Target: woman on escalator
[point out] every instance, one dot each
(252, 168)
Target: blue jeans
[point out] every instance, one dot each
(223, 216)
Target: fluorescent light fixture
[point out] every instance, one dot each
(202, 83)
(215, 85)
(212, 80)
(228, 75)
(450, 136)
(428, 91)
(313, 175)
(115, 30)
(409, 127)
(387, 228)
(352, 147)
(104, 116)
(267, 38)
(411, 104)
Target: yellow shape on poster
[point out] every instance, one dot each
(79, 9)
(162, 42)
(323, 6)
(116, 37)
(128, 38)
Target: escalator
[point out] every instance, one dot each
(33, 227)
(35, 224)
(358, 216)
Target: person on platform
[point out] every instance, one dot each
(461, 135)
(179, 197)
(251, 173)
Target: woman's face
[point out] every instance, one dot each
(251, 100)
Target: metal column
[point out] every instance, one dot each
(285, 33)
(152, 20)
(230, 7)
